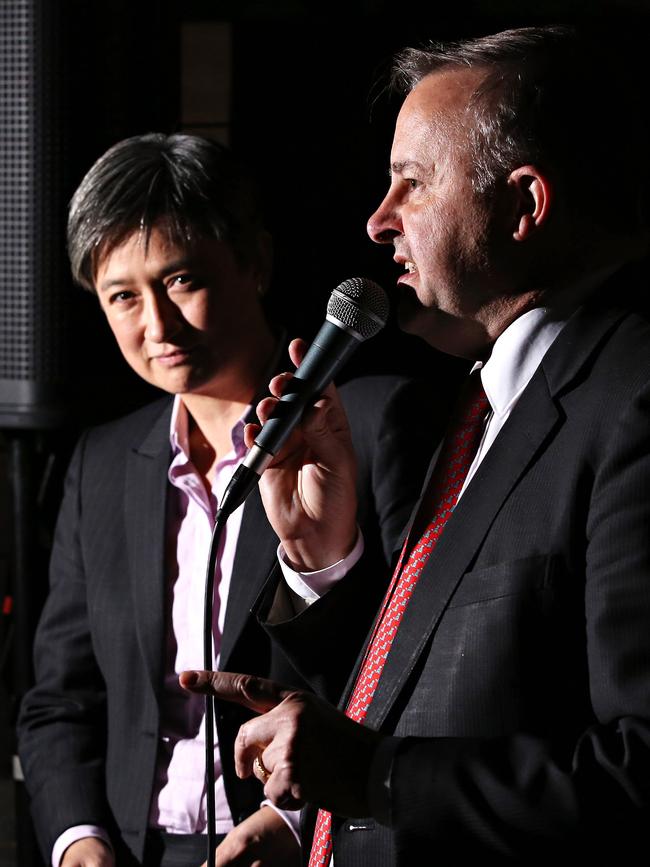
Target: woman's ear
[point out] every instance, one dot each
(533, 200)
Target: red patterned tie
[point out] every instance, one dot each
(456, 456)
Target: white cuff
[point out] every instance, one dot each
(291, 817)
(71, 835)
(310, 586)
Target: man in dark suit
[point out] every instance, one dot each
(167, 231)
(506, 718)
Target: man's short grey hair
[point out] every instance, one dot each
(565, 98)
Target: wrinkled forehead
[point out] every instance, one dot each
(438, 107)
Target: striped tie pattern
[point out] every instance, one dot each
(458, 450)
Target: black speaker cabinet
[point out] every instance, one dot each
(75, 77)
(33, 321)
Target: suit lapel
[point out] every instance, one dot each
(532, 422)
(145, 504)
(254, 557)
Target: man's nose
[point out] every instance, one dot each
(161, 318)
(385, 224)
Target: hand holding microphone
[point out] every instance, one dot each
(357, 309)
(309, 486)
(309, 490)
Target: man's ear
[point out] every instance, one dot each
(533, 200)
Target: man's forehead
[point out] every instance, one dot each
(433, 115)
(445, 93)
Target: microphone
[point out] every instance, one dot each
(357, 309)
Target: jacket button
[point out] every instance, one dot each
(361, 825)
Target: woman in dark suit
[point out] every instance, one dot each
(167, 231)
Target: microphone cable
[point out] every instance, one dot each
(210, 704)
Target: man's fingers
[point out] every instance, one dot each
(275, 775)
(253, 738)
(320, 421)
(326, 407)
(280, 383)
(255, 693)
(297, 350)
(251, 430)
(264, 747)
(265, 408)
(282, 790)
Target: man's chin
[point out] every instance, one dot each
(413, 318)
(442, 331)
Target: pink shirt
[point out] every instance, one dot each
(178, 802)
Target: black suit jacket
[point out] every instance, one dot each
(518, 686)
(88, 730)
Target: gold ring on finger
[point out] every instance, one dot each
(261, 772)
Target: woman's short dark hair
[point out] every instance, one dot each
(190, 186)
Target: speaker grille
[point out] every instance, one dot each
(33, 320)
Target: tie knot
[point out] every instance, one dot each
(466, 422)
(472, 402)
(457, 452)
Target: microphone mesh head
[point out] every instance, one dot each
(360, 305)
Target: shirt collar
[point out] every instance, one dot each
(516, 355)
(179, 430)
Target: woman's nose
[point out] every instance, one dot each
(161, 318)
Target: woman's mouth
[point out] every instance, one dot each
(171, 359)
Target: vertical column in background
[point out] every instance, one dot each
(206, 60)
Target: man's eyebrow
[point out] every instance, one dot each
(402, 166)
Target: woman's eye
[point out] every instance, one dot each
(181, 280)
(120, 297)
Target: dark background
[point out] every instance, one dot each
(295, 88)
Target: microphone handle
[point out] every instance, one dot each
(327, 354)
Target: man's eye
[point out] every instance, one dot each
(413, 183)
